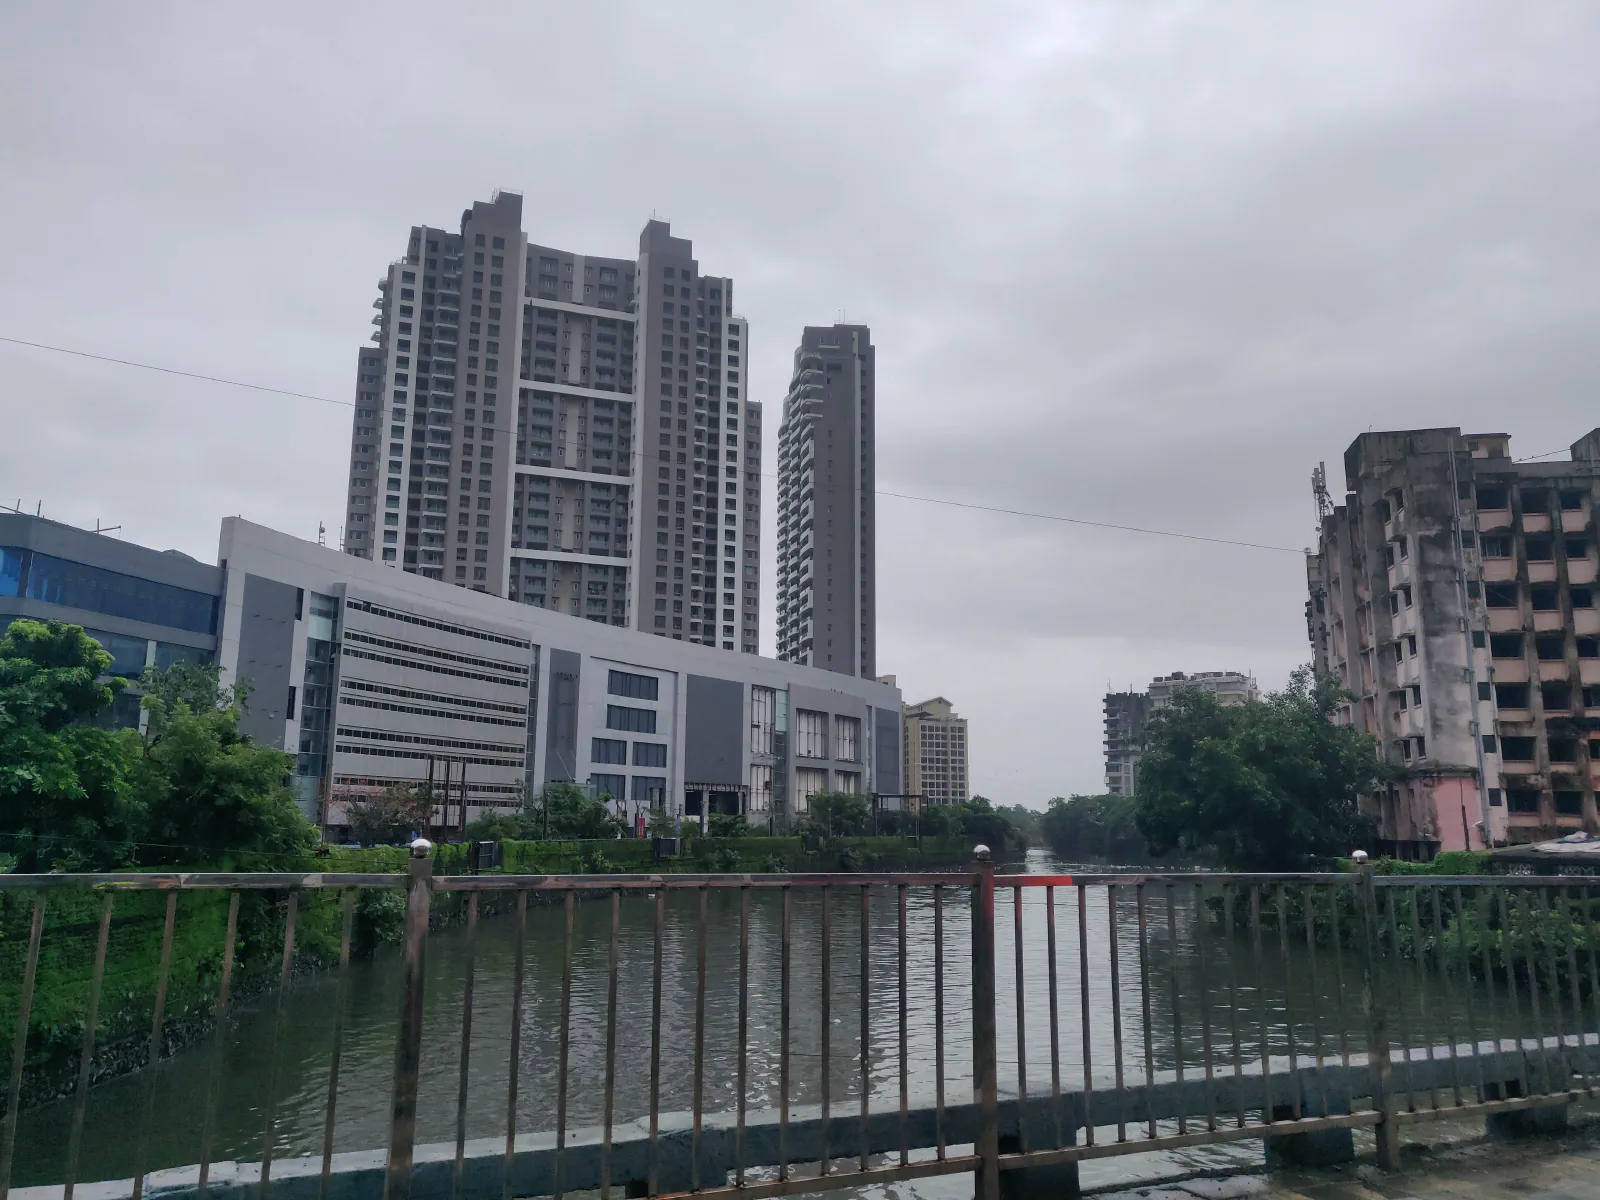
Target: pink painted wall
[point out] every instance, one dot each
(1449, 797)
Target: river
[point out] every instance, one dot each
(1198, 967)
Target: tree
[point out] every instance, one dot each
(1267, 786)
(985, 825)
(571, 814)
(1087, 828)
(209, 794)
(836, 814)
(64, 796)
(661, 823)
(396, 814)
(943, 820)
(729, 825)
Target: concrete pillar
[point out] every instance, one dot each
(1320, 1149)
(1056, 1182)
(1545, 1120)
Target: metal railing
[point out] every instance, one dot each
(1209, 1008)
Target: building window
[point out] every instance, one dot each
(808, 781)
(1500, 595)
(1516, 749)
(1522, 800)
(630, 720)
(1569, 804)
(1511, 695)
(608, 750)
(94, 589)
(612, 787)
(810, 734)
(1505, 645)
(763, 706)
(649, 754)
(635, 687)
(847, 739)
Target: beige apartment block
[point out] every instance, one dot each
(1453, 594)
(935, 740)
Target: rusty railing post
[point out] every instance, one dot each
(985, 1052)
(408, 1041)
(1387, 1130)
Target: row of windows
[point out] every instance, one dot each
(352, 635)
(385, 752)
(811, 736)
(1533, 499)
(418, 739)
(415, 710)
(1539, 548)
(434, 668)
(1545, 597)
(378, 782)
(94, 589)
(615, 750)
(635, 687)
(383, 689)
(1548, 647)
(630, 720)
(393, 614)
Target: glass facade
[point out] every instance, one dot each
(128, 654)
(315, 702)
(95, 589)
(10, 570)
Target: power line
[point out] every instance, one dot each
(128, 362)
(1010, 512)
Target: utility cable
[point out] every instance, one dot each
(1010, 512)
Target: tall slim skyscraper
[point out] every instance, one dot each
(827, 586)
(564, 430)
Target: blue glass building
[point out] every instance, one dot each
(147, 607)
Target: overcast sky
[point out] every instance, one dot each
(1143, 263)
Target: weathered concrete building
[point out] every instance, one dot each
(1453, 593)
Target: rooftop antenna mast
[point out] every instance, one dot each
(322, 534)
(1319, 492)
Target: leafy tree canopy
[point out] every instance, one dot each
(396, 814)
(836, 814)
(1088, 828)
(65, 803)
(1268, 786)
(191, 789)
(208, 793)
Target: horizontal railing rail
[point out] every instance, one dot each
(763, 1034)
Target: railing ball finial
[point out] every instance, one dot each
(981, 853)
(1358, 857)
(421, 848)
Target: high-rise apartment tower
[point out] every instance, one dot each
(563, 430)
(827, 589)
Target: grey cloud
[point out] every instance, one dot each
(1134, 263)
